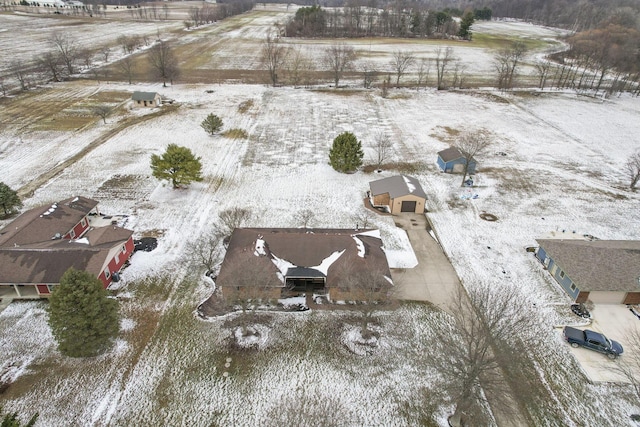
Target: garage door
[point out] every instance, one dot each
(601, 297)
(408, 206)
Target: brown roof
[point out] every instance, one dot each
(29, 253)
(46, 222)
(598, 265)
(292, 248)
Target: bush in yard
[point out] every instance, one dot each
(9, 200)
(346, 153)
(178, 165)
(211, 124)
(83, 319)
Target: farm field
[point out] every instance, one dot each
(555, 164)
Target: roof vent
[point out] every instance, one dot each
(57, 236)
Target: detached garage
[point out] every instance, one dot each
(601, 271)
(398, 194)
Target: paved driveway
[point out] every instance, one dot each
(434, 278)
(615, 321)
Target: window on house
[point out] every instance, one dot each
(573, 286)
(124, 249)
(107, 273)
(83, 223)
(561, 274)
(73, 234)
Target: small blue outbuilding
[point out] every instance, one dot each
(451, 160)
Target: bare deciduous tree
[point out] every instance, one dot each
(49, 63)
(233, 218)
(629, 365)
(339, 58)
(368, 74)
(401, 60)
(106, 52)
(443, 59)
(208, 250)
(371, 291)
(363, 218)
(67, 48)
(127, 65)
(483, 324)
(20, 74)
(506, 62)
(632, 167)
(542, 72)
(102, 111)
(274, 56)
(295, 65)
(471, 143)
(163, 62)
(424, 67)
(382, 147)
(304, 217)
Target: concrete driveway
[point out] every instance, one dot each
(615, 321)
(434, 278)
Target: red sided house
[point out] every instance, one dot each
(42, 243)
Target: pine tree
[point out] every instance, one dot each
(11, 419)
(465, 25)
(83, 319)
(9, 199)
(211, 124)
(177, 164)
(346, 153)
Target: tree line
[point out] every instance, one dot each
(396, 20)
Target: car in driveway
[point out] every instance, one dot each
(592, 340)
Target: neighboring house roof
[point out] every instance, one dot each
(450, 154)
(144, 96)
(281, 252)
(30, 253)
(46, 222)
(397, 186)
(598, 265)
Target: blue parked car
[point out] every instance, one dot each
(593, 341)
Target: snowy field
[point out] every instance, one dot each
(561, 170)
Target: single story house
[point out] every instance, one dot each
(146, 99)
(451, 160)
(273, 263)
(42, 243)
(602, 271)
(399, 193)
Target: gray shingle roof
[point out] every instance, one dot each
(144, 96)
(599, 265)
(451, 153)
(397, 186)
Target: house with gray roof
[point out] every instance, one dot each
(146, 99)
(451, 160)
(42, 243)
(397, 194)
(601, 271)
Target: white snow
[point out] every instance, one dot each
(328, 261)
(260, 249)
(360, 246)
(82, 240)
(410, 185)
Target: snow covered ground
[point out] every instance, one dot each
(562, 170)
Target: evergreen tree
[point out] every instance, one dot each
(211, 124)
(83, 319)
(465, 25)
(177, 164)
(9, 199)
(346, 153)
(11, 420)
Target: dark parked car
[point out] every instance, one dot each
(146, 244)
(580, 310)
(593, 341)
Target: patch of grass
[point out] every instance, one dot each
(245, 106)
(501, 41)
(402, 167)
(340, 92)
(156, 288)
(235, 133)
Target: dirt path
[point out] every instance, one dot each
(27, 190)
